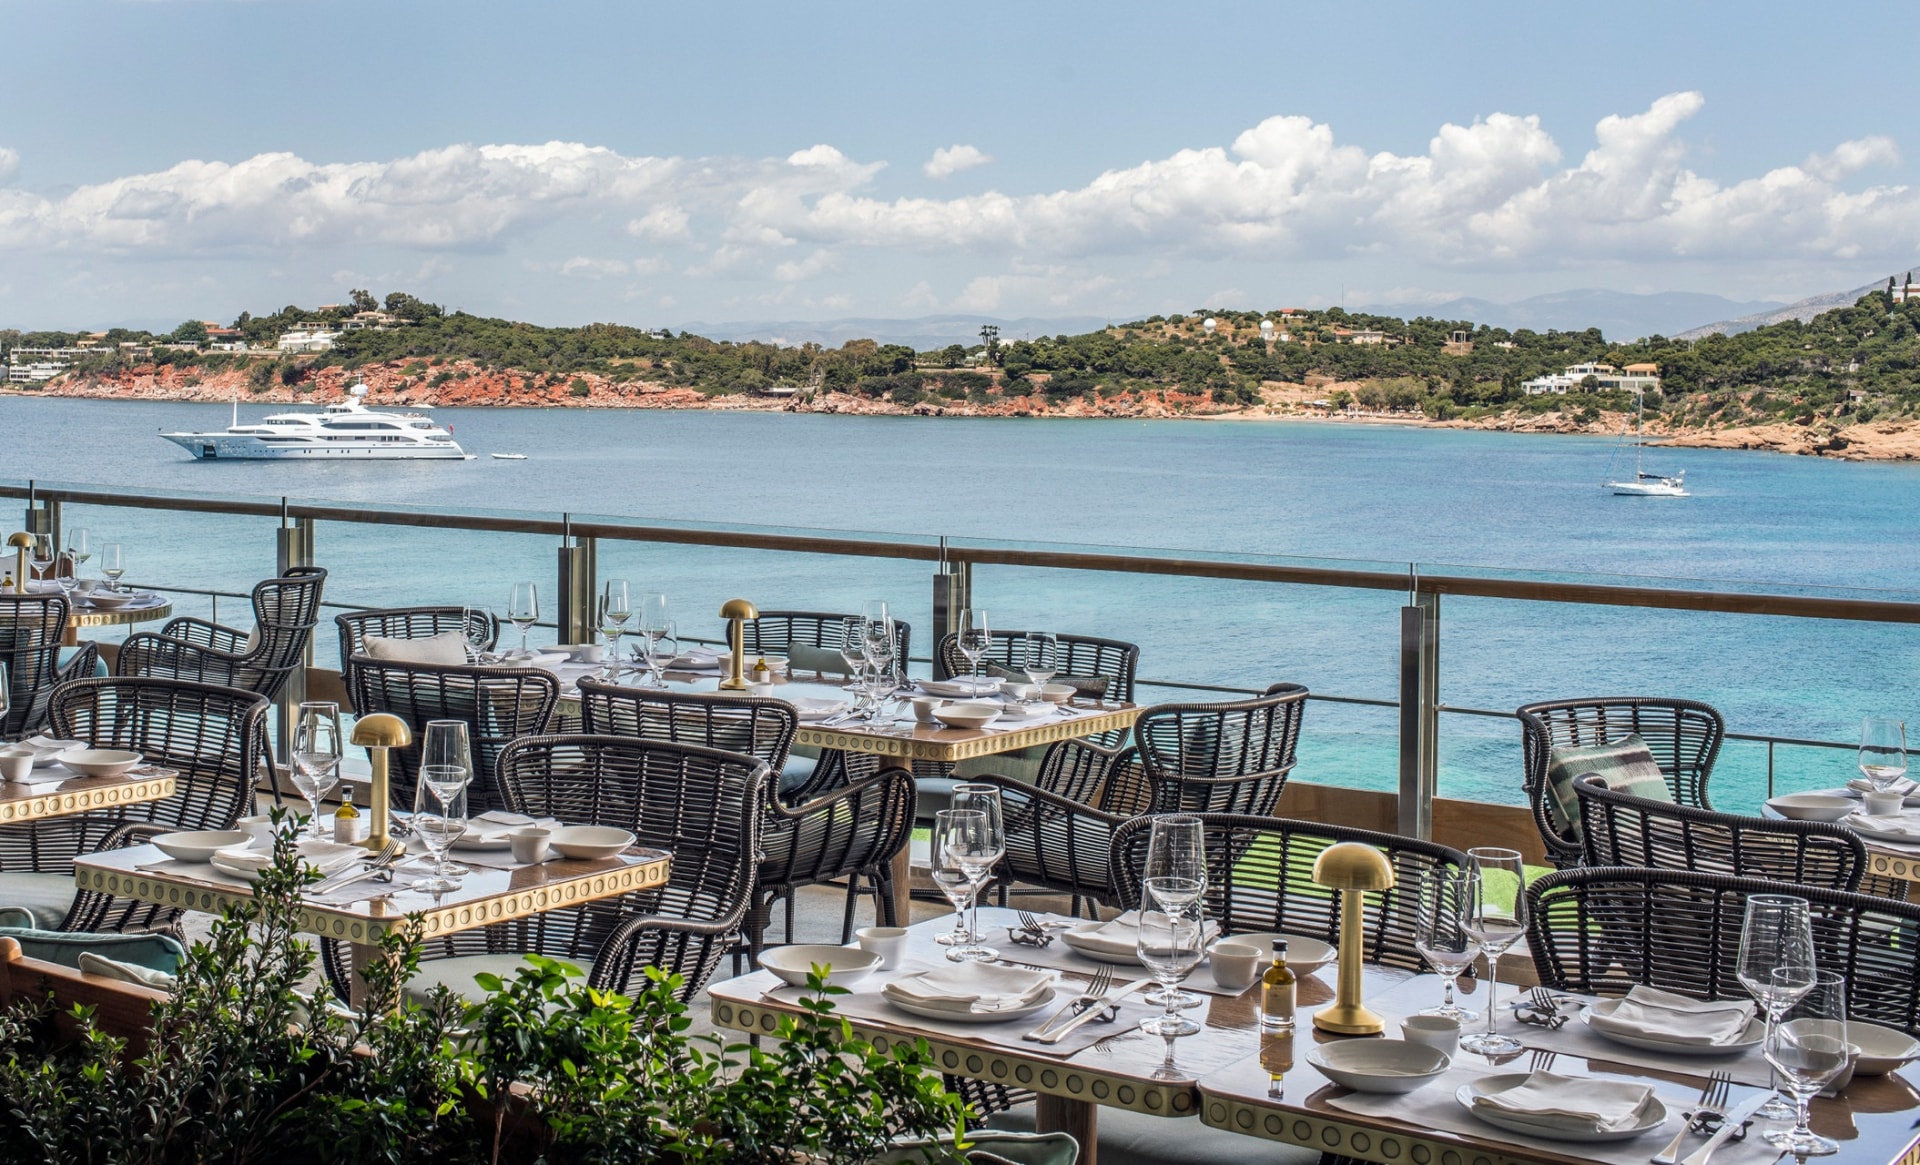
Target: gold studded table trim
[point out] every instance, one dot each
(1902, 866)
(1339, 1137)
(81, 795)
(367, 922)
(93, 617)
(958, 744)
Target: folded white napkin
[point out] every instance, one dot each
(495, 824)
(1024, 712)
(1570, 1104)
(50, 775)
(1905, 786)
(973, 987)
(694, 660)
(959, 686)
(812, 708)
(1906, 824)
(329, 856)
(46, 748)
(1675, 1019)
(1121, 936)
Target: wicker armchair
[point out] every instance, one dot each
(285, 611)
(1619, 829)
(1683, 735)
(852, 832)
(1231, 757)
(404, 623)
(1060, 828)
(498, 704)
(209, 735)
(31, 627)
(699, 804)
(777, 633)
(1102, 666)
(1603, 929)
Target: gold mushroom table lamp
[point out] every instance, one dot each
(20, 542)
(736, 612)
(379, 733)
(1353, 869)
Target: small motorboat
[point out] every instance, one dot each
(509, 456)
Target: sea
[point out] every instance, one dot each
(1404, 500)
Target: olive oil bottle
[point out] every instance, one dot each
(1277, 992)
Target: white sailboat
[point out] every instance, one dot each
(1644, 484)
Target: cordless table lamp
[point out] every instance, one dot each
(736, 612)
(1353, 869)
(377, 734)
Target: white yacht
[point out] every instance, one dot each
(349, 430)
(1643, 484)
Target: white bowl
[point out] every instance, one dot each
(1813, 806)
(1379, 1065)
(589, 841)
(1058, 693)
(579, 652)
(109, 600)
(967, 715)
(199, 845)
(99, 762)
(845, 965)
(1305, 955)
(1882, 1048)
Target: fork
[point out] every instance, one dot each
(1542, 1060)
(1096, 990)
(1543, 1001)
(1712, 1106)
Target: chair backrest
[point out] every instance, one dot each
(406, 623)
(760, 727)
(1603, 929)
(1260, 879)
(1683, 735)
(1620, 829)
(703, 805)
(210, 735)
(775, 632)
(1230, 757)
(497, 704)
(31, 627)
(285, 612)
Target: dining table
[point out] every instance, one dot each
(144, 607)
(1887, 855)
(38, 800)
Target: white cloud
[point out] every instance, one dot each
(950, 160)
(595, 268)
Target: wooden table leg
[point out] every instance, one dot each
(1080, 1118)
(902, 888)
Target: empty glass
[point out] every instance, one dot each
(1496, 918)
(1883, 751)
(1807, 1046)
(476, 628)
(1040, 657)
(316, 755)
(113, 564)
(656, 627)
(615, 610)
(979, 798)
(959, 848)
(1169, 947)
(1441, 934)
(1176, 860)
(40, 555)
(973, 639)
(439, 819)
(523, 610)
(77, 546)
(1776, 963)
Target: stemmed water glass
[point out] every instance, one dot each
(445, 752)
(1776, 964)
(1496, 918)
(41, 555)
(973, 640)
(1441, 934)
(476, 628)
(78, 548)
(879, 643)
(113, 564)
(654, 626)
(66, 574)
(853, 649)
(1040, 657)
(1169, 947)
(1807, 1046)
(959, 846)
(1883, 751)
(615, 610)
(973, 797)
(523, 610)
(439, 818)
(316, 754)
(1176, 860)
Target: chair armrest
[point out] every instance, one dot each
(201, 633)
(691, 948)
(1077, 769)
(81, 665)
(1055, 841)
(148, 654)
(841, 832)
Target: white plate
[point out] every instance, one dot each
(248, 864)
(959, 689)
(590, 841)
(1305, 955)
(539, 659)
(1756, 1031)
(845, 965)
(198, 845)
(1857, 823)
(975, 1016)
(1494, 1085)
(100, 762)
(1025, 711)
(477, 842)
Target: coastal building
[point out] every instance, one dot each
(1607, 378)
(37, 365)
(35, 373)
(307, 339)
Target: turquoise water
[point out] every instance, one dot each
(1379, 496)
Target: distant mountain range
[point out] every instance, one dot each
(1803, 311)
(919, 334)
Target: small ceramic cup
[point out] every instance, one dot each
(923, 707)
(589, 652)
(1435, 1031)
(889, 942)
(529, 843)
(1235, 965)
(86, 586)
(15, 764)
(1883, 804)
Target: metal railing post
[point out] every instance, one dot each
(293, 546)
(43, 516)
(578, 581)
(952, 594)
(1419, 713)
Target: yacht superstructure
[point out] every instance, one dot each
(348, 430)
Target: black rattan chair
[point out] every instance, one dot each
(1601, 930)
(1101, 668)
(405, 623)
(1231, 757)
(702, 805)
(822, 633)
(285, 611)
(31, 628)
(1619, 829)
(207, 734)
(1683, 735)
(1060, 828)
(498, 704)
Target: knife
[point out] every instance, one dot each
(1735, 1119)
(1093, 1011)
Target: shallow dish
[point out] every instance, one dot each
(579, 652)
(1031, 1009)
(109, 600)
(1756, 1031)
(967, 715)
(1305, 955)
(589, 841)
(1019, 689)
(198, 845)
(845, 965)
(1379, 1065)
(1656, 1114)
(1812, 806)
(1057, 693)
(99, 762)
(1882, 1048)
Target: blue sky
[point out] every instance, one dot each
(651, 163)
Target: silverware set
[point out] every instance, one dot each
(379, 868)
(1031, 932)
(1099, 1003)
(1540, 1009)
(1703, 1119)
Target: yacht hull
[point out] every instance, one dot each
(1647, 489)
(224, 447)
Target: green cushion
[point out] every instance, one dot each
(1626, 765)
(16, 918)
(45, 897)
(456, 975)
(988, 1145)
(154, 952)
(101, 965)
(806, 657)
(99, 665)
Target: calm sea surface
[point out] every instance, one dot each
(1382, 497)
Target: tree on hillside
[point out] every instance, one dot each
(990, 336)
(411, 309)
(362, 300)
(191, 332)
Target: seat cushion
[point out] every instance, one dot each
(124, 972)
(989, 1145)
(447, 649)
(456, 975)
(797, 772)
(934, 794)
(823, 660)
(45, 897)
(1626, 765)
(1135, 1138)
(152, 952)
(99, 665)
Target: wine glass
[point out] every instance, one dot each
(615, 610)
(853, 649)
(1176, 859)
(1441, 937)
(959, 844)
(1807, 1046)
(879, 650)
(655, 625)
(113, 564)
(77, 546)
(973, 640)
(1776, 963)
(523, 610)
(476, 628)
(1496, 918)
(1168, 944)
(439, 818)
(40, 555)
(66, 574)
(979, 798)
(1883, 751)
(1040, 657)
(316, 754)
